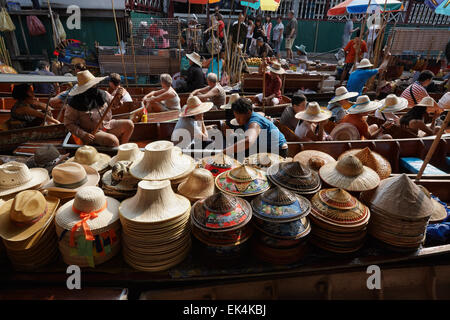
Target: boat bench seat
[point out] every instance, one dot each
(412, 165)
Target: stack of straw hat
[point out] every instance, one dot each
(263, 161)
(26, 227)
(219, 163)
(118, 182)
(156, 230)
(89, 156)
(371, 159)
(88, 228)
(243, 181)
(280, 217)
(314, 159)
(221, 225)
(339, 221)
(198, 185)
(400, 213)
(295, 177)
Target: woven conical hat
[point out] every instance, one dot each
(263, 160)
(242, 181)
(371, 159)
(295, 177)
(314, 159)
(219, 163)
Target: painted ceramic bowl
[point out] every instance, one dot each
(219, 164)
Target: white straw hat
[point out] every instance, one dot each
(233, 98)
(89, 156)
(363, 105)
(71, 176)
(195, 106)
(392, 103)
(365, 63)
(15, 177)
(426, 102)
(276, 68)
(195, 58)
(86, 80)
(127, 152)
(342, 94)
(314, 113)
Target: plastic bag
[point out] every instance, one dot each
(61, 32)
(6, 23)
(35, 26)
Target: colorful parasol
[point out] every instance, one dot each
(254, 4)
(363, 6)
(270, 5)
(444, 8)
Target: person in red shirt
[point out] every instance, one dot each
(220, 27)
(350, 53)
(273, 84)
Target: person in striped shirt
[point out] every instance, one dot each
(415, 92)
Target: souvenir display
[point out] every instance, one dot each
(88, 228)
(88, 156)
(349, 174)
(162, 161)
(219, 163)
(198, 185)
(118, 182)
(242, 181)
(314, 159)
(156, 229)
(400, 213)
(16, 177)
(339, 221)
(127, 152)
(263, 161)
(294, 177)
(371, 159)
(27, 229)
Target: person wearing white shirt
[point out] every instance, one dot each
(114, 85)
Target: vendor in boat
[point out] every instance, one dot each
(363, 73)
(86, 106)
(27, 112)
(312, 123)
(414, 118)
(114, 85)
(165, 99)
(357, 117)
(389, 106)
(273, 83)
(195, 77)
(288, 118)
(340, 103)
(258, 129)
(212, 93)
(263, 49)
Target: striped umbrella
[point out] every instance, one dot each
(203, 1)
(362, 6)
(444, 8)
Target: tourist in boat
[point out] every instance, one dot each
(416, 91)
(44, 88)
(273, 83)
(195, 77)
(340, 103)
(311, 126)
(389, 106)
(27, 112)
(288, 118)
(356, 116)
(214, 66)
(85, 108)
(263, 49)
(114, 85)
(258, 129)
(414, 118)
(164, 99)
(350, 54)
(213, 92)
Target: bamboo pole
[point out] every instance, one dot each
(118, 41)
(99, 124)
(55, 30)
(23, 34)
(134, 54)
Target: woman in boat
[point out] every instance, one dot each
(414, 118)
(339, 103)
(163, 100)
(213, 92)
(389, 106)
(312, 123)
(27, 112)
(86, 107)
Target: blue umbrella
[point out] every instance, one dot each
(444, 8)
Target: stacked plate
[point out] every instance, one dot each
(280, 218)
(218, 164)
(339, 221)
(263, 161)
(400, 213)
(295, 177)
(242, 181)
(156, 229)
(221, 224)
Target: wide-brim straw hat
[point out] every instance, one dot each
(219, 163)
(342, 93)
(127, 152)
(426, 102)
(349, 174)
(92, 179)
(195, 58)
(264, 160)
(276, 68)
(363, 105)
(371, 159)
(243, 181)
(314, 113)
(195, 106)
(345, 132)
(233, 98)
(162, 161)
(392, 103)
(127, 184)
(16, 176)
(364, 63)
(314, 159)
(439, 212)
(198, 185)
(88, 155)
(86, 80)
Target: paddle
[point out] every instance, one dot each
(99, 124)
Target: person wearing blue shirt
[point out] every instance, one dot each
(363, 73)
(258, 129)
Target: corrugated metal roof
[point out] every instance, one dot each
(27, 78)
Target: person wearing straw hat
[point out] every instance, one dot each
(190, 126)
(86, 106)
(288, 118)
(414, 118)
(389, 106)
(314, 119)
(213, 92)
(273, 83)
(164, 99)
(339, 103)
(356, 114)
(195, 77)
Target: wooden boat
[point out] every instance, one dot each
(252, 82)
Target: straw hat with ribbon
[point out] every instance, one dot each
(371, 159)
(86, 80)
(392, 103)
(199, 185)
(15, 177)
(349, 174)
(233, 98)
(363, 105)
(365, 63)
(341, 93)
(195, 106)
(276, 68)
(88, 155)
(127, 152)
(345, 132)
(195, 58)
(71, 176)
(314, 113)
(314, 159)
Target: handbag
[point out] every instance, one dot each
(35, 26)
(6, 23)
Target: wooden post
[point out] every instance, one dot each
(122, 54)
(55, 30)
